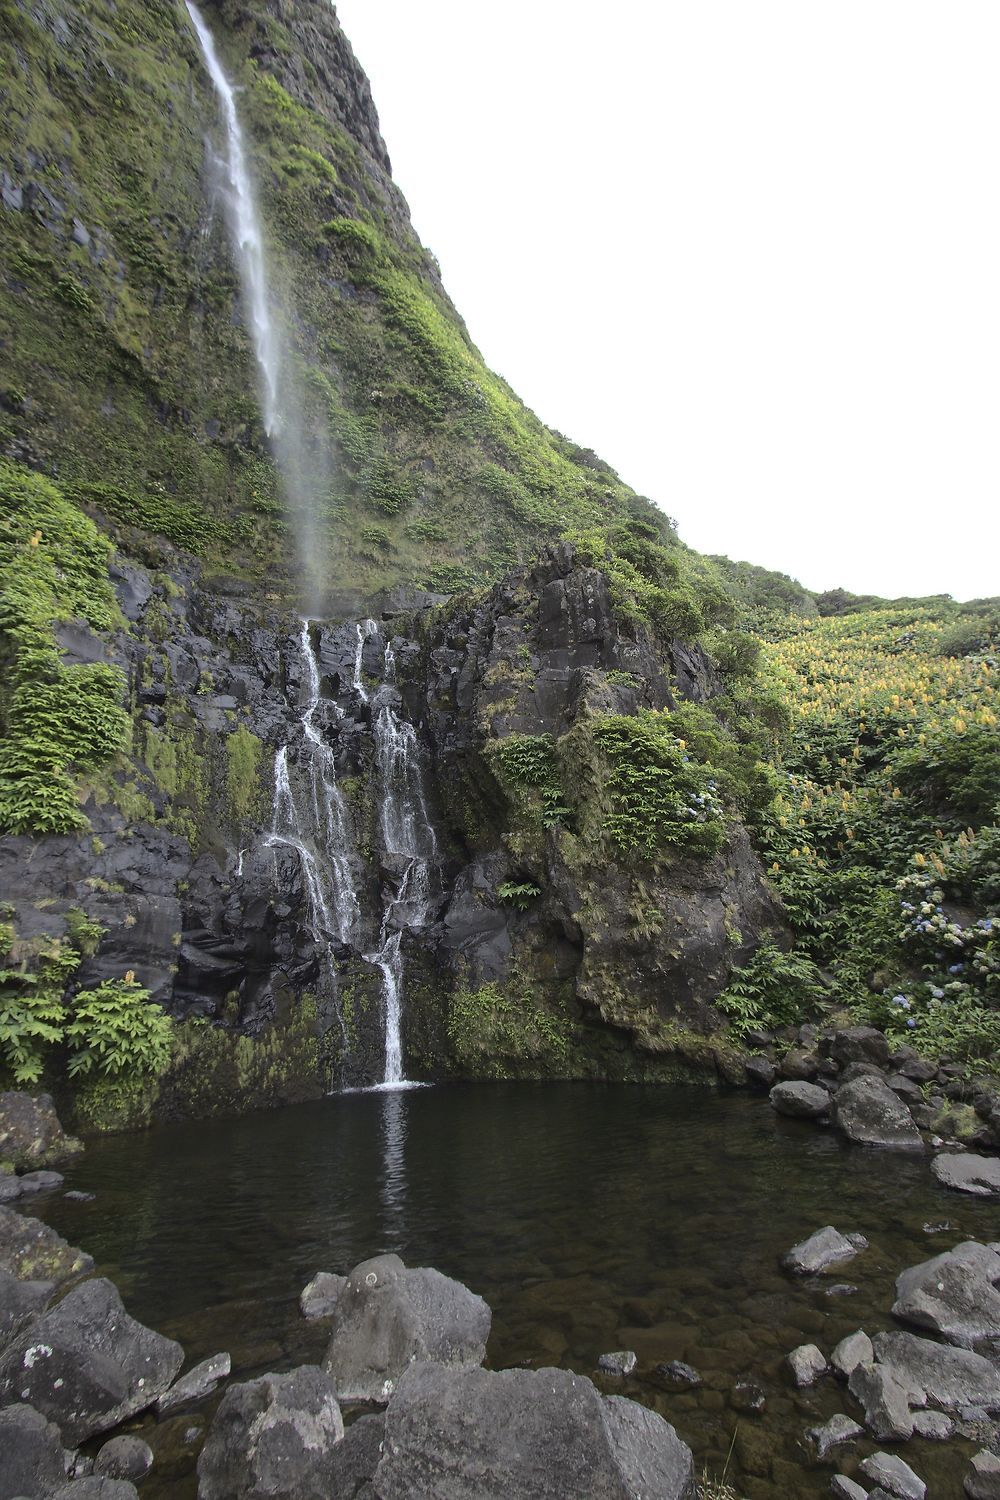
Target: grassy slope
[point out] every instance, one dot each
(124, 363)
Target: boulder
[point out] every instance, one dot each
(938, 1374)
(473, 1434)
(30, 1133)
(856, 1349)
(804, 1101)
(387, 1317)
(747, 1396)
(859, 1044)
(10, 1187)
(983, 1479)
(953, 1294)
(195, 1384)
(124, 1457)
(887, 1411)
(807, 1364)
(31, 1251)
(40, 1182)
(968, 1173)
(31, 1453)
(87, 1365)
(800, 1062)
(319, 1298)
(893, 1475)
(833, 1434)
(273, 1439)
(936, 1426)
(870, 1114)
(827, 1247)
(356, 1459)
(20, 1301)
(96, 1487)
(760, 1071)
(622, 1362)
(843, 1488)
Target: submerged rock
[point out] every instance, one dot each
(677, 1373)
(534, 1434)
(953, 1294)
(388, 1316)
(870, 1114)
(273, 1439)
(124, 1457)
(827, 1247)
(622, 1362)
(87, 1365)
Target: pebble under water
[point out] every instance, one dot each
(590, 1217)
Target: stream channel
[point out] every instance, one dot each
(590, 1217)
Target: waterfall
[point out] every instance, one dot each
(303, 467)
(245, 229)
(311, 818)
(406, 833)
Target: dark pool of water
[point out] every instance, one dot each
(590, 1217)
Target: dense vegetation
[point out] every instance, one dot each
(884, 840)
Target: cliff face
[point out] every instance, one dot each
(126, 366)
(504, 778)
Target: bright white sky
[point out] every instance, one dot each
(747, 250)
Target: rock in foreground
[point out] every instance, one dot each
(870, 1114)
(387, 1316)
(953, 1294)
(31, 1251)
(803, 1101)
(31, 1455)
(534, 1434)
(273, 1439)
(30, 1133)
(86, 1365)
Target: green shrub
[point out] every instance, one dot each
(658, 797)
(775, 988)
(115, 1028)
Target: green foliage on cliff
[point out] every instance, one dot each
(657, 796)
(883, 840)
(500, 1031)
(55, 720)
(114, 1029)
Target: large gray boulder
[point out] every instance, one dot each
(536, 1434)
(30, 1133)
(937, 1374)
(273, 1439)
(386, 1317)
(31, 1453)
(953, 1294)
(87, 1365)
(827, 1247)
(20, 1301)
(968, 1173)
(886, 1402)
(804, 1101)
(870, 1114)
(31, 1251)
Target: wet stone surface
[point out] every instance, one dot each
(590, 1219)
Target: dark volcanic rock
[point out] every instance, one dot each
(30, 1133)
(31, 1251)
(87, 1365)
(196, 1383)
(800, 1100)
(953, 1294)
(273, 1439)
(20, 1301)
(870, 1114)
(388, 1316)
(473, 1434)
(356, 1459)
(859, 1044)
(319, 1298)
(124, 1457)
(31, 1453)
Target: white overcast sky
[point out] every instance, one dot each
(747, 250)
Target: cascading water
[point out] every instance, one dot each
(311, 818)
(407, 836)
(303, 466)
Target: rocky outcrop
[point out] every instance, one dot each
(273, 1439)
(86, 1365)
(533, 1434)
(31, 1251)
(387, 1316)
(31, 1135)
(870, 1114)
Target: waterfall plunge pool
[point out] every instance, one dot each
(591, 1217)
